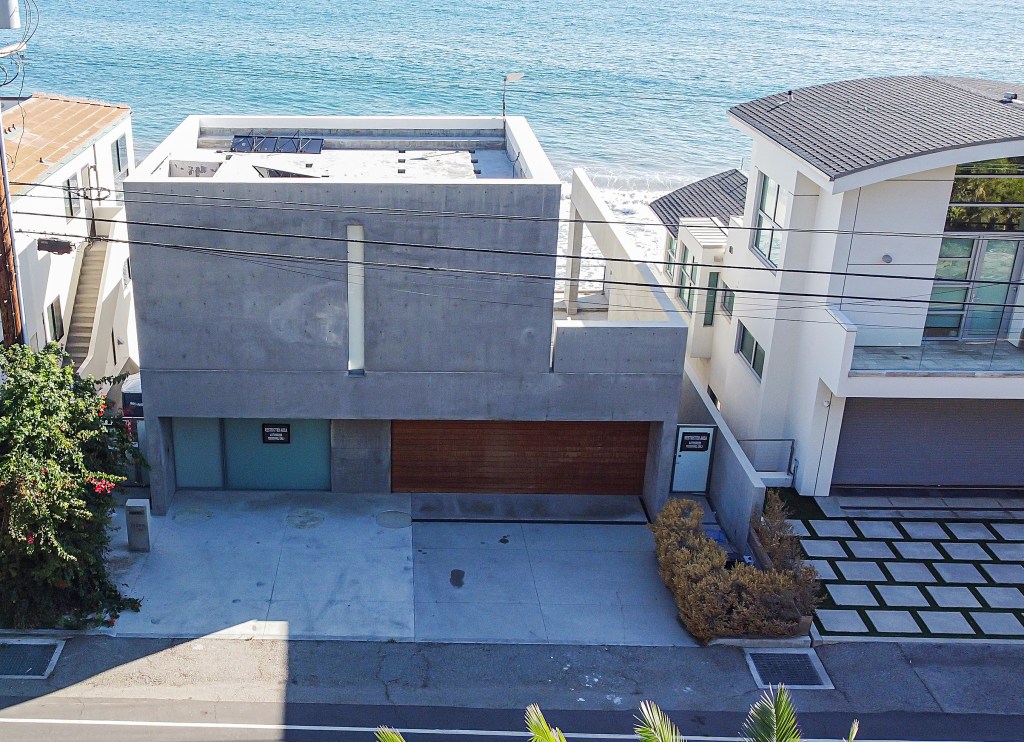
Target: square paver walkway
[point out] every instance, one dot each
(919, 576)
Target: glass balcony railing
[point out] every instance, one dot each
(998, 356)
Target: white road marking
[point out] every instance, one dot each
(325, 728)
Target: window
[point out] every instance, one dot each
(687, 278)
(768, 223)
(119, 156)
(55, 321)
(987, 197)
(728, 299)
(671, 252)
(72, 200)
(113, 345)
(709, 302)
(750, 349)
(126, 272)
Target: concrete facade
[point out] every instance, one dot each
(451, 321)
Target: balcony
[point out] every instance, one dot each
(940, 358)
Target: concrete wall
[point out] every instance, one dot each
(361, 456)
(450, 334)
(603, 346)
(736, 491)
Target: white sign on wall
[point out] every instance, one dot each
(691, 470)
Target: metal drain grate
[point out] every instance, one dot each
(795, 668)
(28, 659)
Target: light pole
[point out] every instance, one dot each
(510, 77)
(10, 299)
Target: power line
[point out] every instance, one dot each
(527, 276)
(528, 253)
(199, 200)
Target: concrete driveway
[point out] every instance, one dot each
(312, 565)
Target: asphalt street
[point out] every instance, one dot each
(219, 689)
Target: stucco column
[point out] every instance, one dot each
(572, 288)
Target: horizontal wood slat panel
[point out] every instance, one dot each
(496, 457)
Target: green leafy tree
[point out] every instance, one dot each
(62, 454)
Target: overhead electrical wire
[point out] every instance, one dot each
(509, 274)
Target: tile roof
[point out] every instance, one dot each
(853, 125)
(45, 131)
(719, 196)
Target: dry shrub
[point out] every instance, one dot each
(714, 601)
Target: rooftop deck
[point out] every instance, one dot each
(940, 358)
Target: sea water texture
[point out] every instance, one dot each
(635, 92)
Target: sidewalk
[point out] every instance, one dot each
(869, 678)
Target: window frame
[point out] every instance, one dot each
(54, 321)
(728, 301)
(770, 224)
(758, 355)
(72, 198)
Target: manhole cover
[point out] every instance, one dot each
(305, 518)
(394, 519)
(794, 668)
(28, 659)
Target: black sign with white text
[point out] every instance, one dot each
(695, 442)
(277, 433)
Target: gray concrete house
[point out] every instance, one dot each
(363, 305)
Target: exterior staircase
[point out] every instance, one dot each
(83, 314)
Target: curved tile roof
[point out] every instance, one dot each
(719, 196)
(853, 125)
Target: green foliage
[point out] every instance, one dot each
(539, 728)
(387, 734)
(655, 726)
(716, 601)
(62, 454)
(772, 719)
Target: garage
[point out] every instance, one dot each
(517, 457)
(928, 442)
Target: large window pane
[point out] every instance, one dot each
(948, 297)
(956, 247)
(985, 219)
(954, 269)
(988, 191)
(1000, 166)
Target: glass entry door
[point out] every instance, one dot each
(976, 271)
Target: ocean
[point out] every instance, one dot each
(635, 92)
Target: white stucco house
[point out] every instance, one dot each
(67, 158)
(856, 316)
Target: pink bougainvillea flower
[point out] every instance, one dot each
(62, 584)
(30, 538)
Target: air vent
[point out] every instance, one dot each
(799, 669)
(28, 659)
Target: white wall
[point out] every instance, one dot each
(45, 276)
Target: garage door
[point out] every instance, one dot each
(957, 442)
(594, 458)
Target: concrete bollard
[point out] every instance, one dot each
(136, 513)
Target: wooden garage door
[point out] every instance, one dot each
(593, 458)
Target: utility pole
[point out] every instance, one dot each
(10, 305)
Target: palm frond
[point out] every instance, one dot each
(387, 734)
(772, 719)
(854, 728)
(539, 727)
(653, 725)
